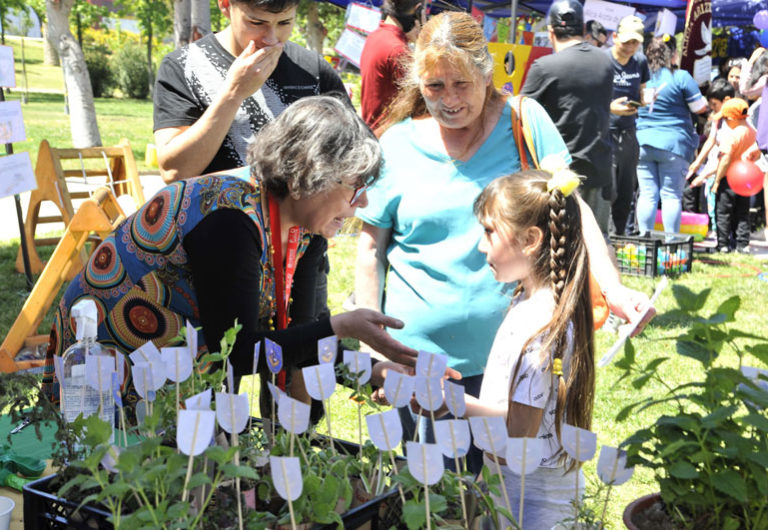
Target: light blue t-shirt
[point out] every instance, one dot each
(438, 282)
(669, 126)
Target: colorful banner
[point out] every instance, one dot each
(696, 56)
(523, 59)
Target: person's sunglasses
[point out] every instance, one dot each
(359, 189)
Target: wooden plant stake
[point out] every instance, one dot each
(232, 415)
(490, 434)
(359, 363)
(386, 431)
(580, 444)
(286, 476)
(320, 382)
(613, 471)
(425, 462)
(193, 434)
(523, 457)
(453, 438)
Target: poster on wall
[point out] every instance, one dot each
(607, 13)
(350, 46)
(697, 40)
(363, 18)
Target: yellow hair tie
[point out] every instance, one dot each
(557, 367)
(563, 178)
(666, 37)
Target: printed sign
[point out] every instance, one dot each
(607, 13)
(11, 123)
(363, 18)
(7, 72)
(350, 46)
(16, 175)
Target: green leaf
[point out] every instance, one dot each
(414, 515)
(697, 351)
(729, 307)
(684, 470)
(731, 483)
(641, 381)
(198, 479)
(731, 523)
(687, 299)
(718, 416)
(756, 420)
(760, 351)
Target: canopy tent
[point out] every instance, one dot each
(724, 12)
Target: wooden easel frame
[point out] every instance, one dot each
(121, 176)
(100, 214)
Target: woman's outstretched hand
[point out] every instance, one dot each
(368, 326)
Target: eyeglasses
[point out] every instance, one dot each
(359, 189)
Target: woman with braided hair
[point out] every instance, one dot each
(540, 370)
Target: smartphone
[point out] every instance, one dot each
(635, 104)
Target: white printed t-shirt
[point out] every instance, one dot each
(525, 317)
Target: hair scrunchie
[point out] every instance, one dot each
(563, 178)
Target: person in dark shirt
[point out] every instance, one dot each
(630, 73)
(575, 87)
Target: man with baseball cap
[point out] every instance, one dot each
(630, 73)
(575, 86)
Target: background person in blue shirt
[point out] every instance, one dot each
(666, 136)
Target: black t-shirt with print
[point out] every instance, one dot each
(627, 79)
(575, 86)
(189, 79)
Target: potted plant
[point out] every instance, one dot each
(710, 453)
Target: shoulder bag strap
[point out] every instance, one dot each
(523, 135)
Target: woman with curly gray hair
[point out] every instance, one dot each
(236, 246)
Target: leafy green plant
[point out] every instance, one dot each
(97, 61)
(709, 456)
(130, 70)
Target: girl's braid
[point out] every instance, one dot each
(557, 242)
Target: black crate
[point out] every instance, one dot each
(43, 509)
(654, 254)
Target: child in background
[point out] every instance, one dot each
(719, 92)
(540, 371)
(738, 143)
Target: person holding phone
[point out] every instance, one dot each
(630, 73)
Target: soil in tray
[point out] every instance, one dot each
(654, 518)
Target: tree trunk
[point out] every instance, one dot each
(315, 35)
(50, 54)
(82, 114)
(181, 18)
(201, 19)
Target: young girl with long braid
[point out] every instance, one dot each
(540, 371)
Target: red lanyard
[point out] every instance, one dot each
(282, 284)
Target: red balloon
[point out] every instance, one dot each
(745, 178)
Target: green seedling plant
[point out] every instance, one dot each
(710, 454)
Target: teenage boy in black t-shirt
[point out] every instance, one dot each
(630, 73)
(212, 96)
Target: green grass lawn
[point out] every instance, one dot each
(39, 76)
(726, 275)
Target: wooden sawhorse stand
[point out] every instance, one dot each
(100, 214)
(119, 173)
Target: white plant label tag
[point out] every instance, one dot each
(326, 349)
(58, 367)
(98, 371)
(612, 466)
(580, 444)
(117, 393)
(141, 411)
(148, 353)
(453, 437)
(230, 378)
(191, 340)
(398, 388)
(148, 378)
(431, 364)
(320, 380)
(359, 362)
(195, 430)
(385, 429)
(286, 476)
(489, 433)
(425, 462)
(229, 404)
(109, 460)
(274, 355)
(429, 392)
(201, 401)
(275, 392)
(256, 355)
(455, 399)
(178, 363)
(293, 414)
(524, 454)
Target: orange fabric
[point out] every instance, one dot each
(600, 309)
(740, 143)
